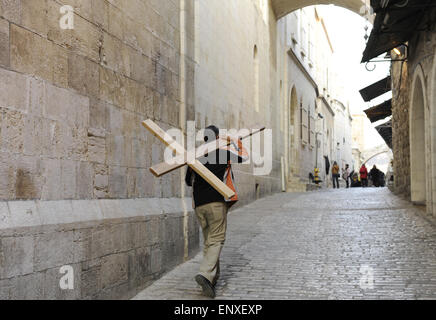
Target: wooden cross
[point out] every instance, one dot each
(184, 158)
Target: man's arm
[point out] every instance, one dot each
(236, 151)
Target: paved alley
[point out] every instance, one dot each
(332, 244)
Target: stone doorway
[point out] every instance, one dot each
(418, 145)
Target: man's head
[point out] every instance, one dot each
(347, 166)
(211, 133)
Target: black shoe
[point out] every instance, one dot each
(208, 289)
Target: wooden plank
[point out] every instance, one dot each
(180, 161)
(197, 166)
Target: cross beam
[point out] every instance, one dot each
(180, 161)
(196, 165)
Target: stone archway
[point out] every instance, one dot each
(418, 167)
(283, 7)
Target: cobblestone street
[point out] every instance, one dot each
(324, 245)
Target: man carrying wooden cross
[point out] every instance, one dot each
(211, 207)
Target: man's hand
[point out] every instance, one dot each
(230, 139)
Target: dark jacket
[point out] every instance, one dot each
(218, 162)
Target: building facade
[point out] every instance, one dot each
(76, 81)
(312, 123)
(412, 48)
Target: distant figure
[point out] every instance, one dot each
(346, 175)
(364, 176)
(375, 176)
(335, 175)
(355, 183)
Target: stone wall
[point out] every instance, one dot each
(72, 101)
(115, 247)
(421, 65)
(71, 106)
(400, 127)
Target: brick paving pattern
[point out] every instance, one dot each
(332, 244)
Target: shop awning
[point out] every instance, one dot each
(395, 23)
(376, 89)
(385, 131)
(379, 112)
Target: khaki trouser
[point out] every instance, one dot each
(213, 221)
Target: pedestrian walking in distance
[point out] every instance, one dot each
(346, 175)
(335, 175)
(364, 176)
(210, 206)
(375, 174)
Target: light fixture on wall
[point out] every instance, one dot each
(401, 52)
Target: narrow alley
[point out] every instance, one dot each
(334, 244)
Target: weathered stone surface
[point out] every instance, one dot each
(13, 93)
(114, 270)
(83, 75)
(4, 43)
(35, 55)
(57, 249)
(294, 246)
(16, 256)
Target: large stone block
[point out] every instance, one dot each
(58, 249)
(28, 287)
(116, 20)
(116, 55)
(7, 176)
(97, 149)
(55, 212)
(112, 87)
(99, 116)
(23, 214)
(12, 128)
(35, 55)
(28, 184)
(13, 93)
(84, 182)
(68, 179)
(16, 256)
(34, 16)
(156, 260)
(52, 179)
(11, 10)
(117, 182)
(5, 216)
(85, 38)
(139, 267)
(114, 270)
(83, 75)
(4, 43)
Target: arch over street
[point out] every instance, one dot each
(374, 152)
(284, 7)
